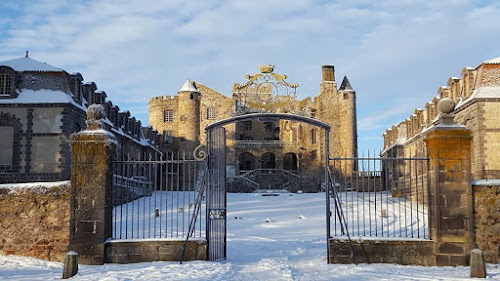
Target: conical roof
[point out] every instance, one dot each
(345, 86)
(188, 86)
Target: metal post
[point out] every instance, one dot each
(327, 184)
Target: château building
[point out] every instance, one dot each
(477, 106)
(262, 153)
(40, 107)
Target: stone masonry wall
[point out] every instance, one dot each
(487, 220)
(35, 222)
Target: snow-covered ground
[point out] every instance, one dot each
(291, 246)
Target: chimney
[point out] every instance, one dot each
(328, 73)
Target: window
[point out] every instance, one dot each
(5, 84)
(168, 116)
(168, 137)
(314, 155)
(7, 141)
(211, 113)
(247, 125)
(269, 126)
(313, 136)
(313, 113)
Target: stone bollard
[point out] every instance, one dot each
(70, 265)
(477, 264)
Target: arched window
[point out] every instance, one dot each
(290, 161)
(268, 160)
(247, 161)
(5, 84)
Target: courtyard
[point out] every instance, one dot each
(269, 238)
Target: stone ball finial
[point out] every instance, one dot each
(446, 105)
(95, 113)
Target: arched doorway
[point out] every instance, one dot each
(247, 161)
(290, 162)
(268, 160)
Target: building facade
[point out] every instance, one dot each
(477, 97)
(40, 107)
(289, 151)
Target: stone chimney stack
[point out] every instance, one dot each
(328, 73)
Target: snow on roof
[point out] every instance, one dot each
(39, 96)
(486, 182)
(29, 64)
(481, 92)
(188, 86)
(492, 61)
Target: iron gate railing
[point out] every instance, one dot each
(381, 197)
(216, 195)
(156, 199)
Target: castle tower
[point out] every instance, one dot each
(189, 116)
(347, 97)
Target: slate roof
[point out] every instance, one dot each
(345, 86)
(29, 64)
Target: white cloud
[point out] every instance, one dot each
(396, 53)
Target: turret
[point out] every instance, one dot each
(347, 98)
(188, 116)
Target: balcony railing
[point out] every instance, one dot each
(244, 143)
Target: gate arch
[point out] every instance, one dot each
(216, 205)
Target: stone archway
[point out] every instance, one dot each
(246, 161)
(290, 162)
(268, 160)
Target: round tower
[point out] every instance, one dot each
(189, 116)
(349, 136)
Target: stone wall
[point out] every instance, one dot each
(382, 251)
(35, 222)
(158, 250)
(487, 220)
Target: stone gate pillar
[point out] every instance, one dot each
(92, 151)
(450, 204)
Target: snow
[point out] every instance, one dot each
(29, 64)
(39, 96)
(489, 92)
(486, 182)
(14, 186)
(188, 86)
(492, 61)
(287, 248)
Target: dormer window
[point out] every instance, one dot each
(7, 85)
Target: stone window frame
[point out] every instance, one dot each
(247, 125)
(7, 82)
(314, 155)
(168, 116)
(313, 136)
(168, 137)
(269, 126)
(9, 120)
(211, 113)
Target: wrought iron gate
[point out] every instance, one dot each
(216, 194)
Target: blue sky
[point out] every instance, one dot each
(396, 53)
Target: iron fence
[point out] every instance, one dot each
(156, 198)
(380, 197)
